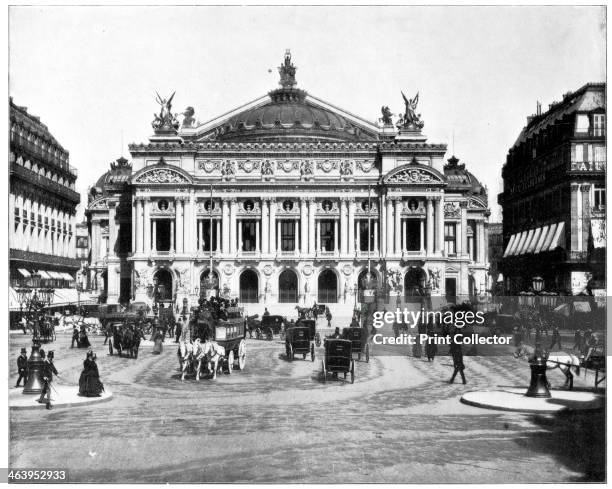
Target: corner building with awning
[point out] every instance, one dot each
(289, 197)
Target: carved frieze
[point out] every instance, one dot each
(288, 165)
(327, 165)
(209, 166)
(162, 175)
(452, 209)
(249, 165)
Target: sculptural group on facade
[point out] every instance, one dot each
(394, 280)
(346, 168)
(306, 168)
(410, 119)
(386, 118)
(165, 120)
(188, 118)
(228, 168)
(267, 168)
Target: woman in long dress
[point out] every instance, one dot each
(158, 338)
(89, 382)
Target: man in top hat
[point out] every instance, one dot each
(22, 367)
(47, 375)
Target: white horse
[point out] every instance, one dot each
(212, 352)
(185, 354)
(564, 362)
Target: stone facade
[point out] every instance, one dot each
(297, 186)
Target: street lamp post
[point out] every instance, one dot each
(538, 386)
(210, 282)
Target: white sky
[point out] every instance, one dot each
(90, 73)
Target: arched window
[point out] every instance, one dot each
(249, 287)
(288, 287)
(328, 287)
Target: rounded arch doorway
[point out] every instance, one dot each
(328, 287)
(203, 286)
(249, 287)
(162, 285)
(288, 287)
(360, 283)
(414, 282)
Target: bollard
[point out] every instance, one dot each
(539, 384)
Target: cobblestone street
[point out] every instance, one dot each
(277, 421)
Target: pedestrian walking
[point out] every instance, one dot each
(89, 381)
(577, 339)
(556, 338)
(47, 376)
(75, 337)
(22, 367)
(457, 354)
(179, 330)
(328, 316)
(431, 348)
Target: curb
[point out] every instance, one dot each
(95, 400)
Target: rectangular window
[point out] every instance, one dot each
(413, 234)
(599, 196)
(599, 154)
(450, 239)
(582, 123)
(17, 215)
(579, 153)
(39, 221)
(363, 235)
(327, 235)
(205, 240)
(599, 125)
(248, 236)
(288, 235)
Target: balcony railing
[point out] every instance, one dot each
(45, 183)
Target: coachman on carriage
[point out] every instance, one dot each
(219, 341)
(125, 339)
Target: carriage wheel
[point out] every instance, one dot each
(324, 372)
(352, 372)
(312, 354)
(368, 353)
(241, 355)
(110, 347)
(230, 362)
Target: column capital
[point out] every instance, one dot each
(574, 187)
(585, 187)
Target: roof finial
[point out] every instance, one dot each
(287, 72)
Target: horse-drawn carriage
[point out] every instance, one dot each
(217, 343)
(338, 359)
(300, 339)
(125, 338)
(359, 341)
(46, 329)
(317, 310)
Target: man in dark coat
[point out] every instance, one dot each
(22, 367)
(75, 337)
(457, 354)
(556, 338)
(47, 375)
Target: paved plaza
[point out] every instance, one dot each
(276, 421)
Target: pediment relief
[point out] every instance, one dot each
(414, 174)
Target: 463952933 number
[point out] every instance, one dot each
(37, 475)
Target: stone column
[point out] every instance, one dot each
(422, 236)
(296, 246)
(318, 243)
(225, 224)
(462, 241)
(239, 223)
(351, 226)
(180, 220)
(439, 211)
(272, 237)
(218, 234)
(304, 226)
(232, 226)
(343, 225)
(389, 233)
(257, 224)
(375, 223)
(200, 237)
(311, 225)
(191, 225)
(134, 223)
(335, 235)
(154, 240)
(147, 225)
(430, 226)
(112, 228)
(142, 224)
(279, 241)
(479, 241)
(404, 241)
(171, 235)
(397, 231)
(265, 223)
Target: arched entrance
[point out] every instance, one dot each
(328, 287)
(414, 282)
(288, 287)
(203, 288)
(360, 284)
(162, 286)
(249, 286)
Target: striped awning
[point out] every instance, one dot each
(44, 274)
(24, 272)
(67, 276)
(537, 240)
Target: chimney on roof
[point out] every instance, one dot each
(538, 108)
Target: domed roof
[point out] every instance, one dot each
(118, 175)
(288, 115)
(461, 179)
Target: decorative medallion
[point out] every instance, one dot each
(347, 269)
(288, 165)
(249, 165)
(307, 270)
(327, 165)
(268, 269)
(209, 166)
(228, 269)
(365, 166)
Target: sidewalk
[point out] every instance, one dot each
(61, 396)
